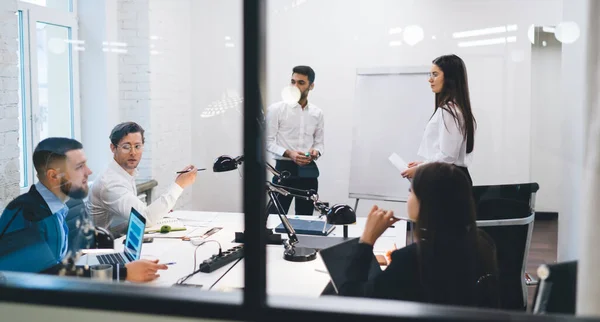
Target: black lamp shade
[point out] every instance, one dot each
(224, 163)
(341, 215)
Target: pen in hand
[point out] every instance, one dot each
(405, 219)
(188, 170)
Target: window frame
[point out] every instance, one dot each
(76, 294)
(29, 15)
(72, 6)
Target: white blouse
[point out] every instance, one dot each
(443, 140)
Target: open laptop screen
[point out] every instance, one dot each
(135, 235)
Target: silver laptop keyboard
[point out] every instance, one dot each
(111, 259)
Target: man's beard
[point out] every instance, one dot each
(65, 187)
(303, 96)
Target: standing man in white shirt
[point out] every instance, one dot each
(114, 192)
(295, 135)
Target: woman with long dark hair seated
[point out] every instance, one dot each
(451, 256)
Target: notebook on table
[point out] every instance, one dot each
(174, 223)
(307, 227)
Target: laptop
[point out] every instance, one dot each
(337, 260)
(133, 244)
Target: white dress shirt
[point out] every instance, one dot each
(290, 127)
(443, 141)
(113, 194)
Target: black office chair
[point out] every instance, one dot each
(82, 232)
(557, 290)
(506, 213)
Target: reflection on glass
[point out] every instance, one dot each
(54, 4)
(413, 34)
(54, 81)
(485, 31)
(567, 32)
(290, 94)
(21, 112)
(487, 42)
(229, 99)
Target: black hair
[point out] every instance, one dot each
(306, 71)
(50, 150)
(451, 256)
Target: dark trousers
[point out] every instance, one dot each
(466, 171)
(301, 177)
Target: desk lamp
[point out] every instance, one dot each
(337, 215)
(292, 252)
(226, 163)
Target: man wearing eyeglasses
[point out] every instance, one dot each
(34, 234)
(114, 192)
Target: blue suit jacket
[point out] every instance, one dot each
(30, 235)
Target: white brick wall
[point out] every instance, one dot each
(217, 71)
(155, 84)
(170, 82)
(134, 104)
(9, 121)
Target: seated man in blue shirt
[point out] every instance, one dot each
(33, 231)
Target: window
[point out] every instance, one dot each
(179, 67)
(48, 65)
(65, 5)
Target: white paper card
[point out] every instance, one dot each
(397, 161)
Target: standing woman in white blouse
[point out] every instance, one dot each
(450, 134)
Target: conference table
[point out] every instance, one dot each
(283, 277)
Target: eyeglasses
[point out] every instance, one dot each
(431, 75)
(127, 147)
